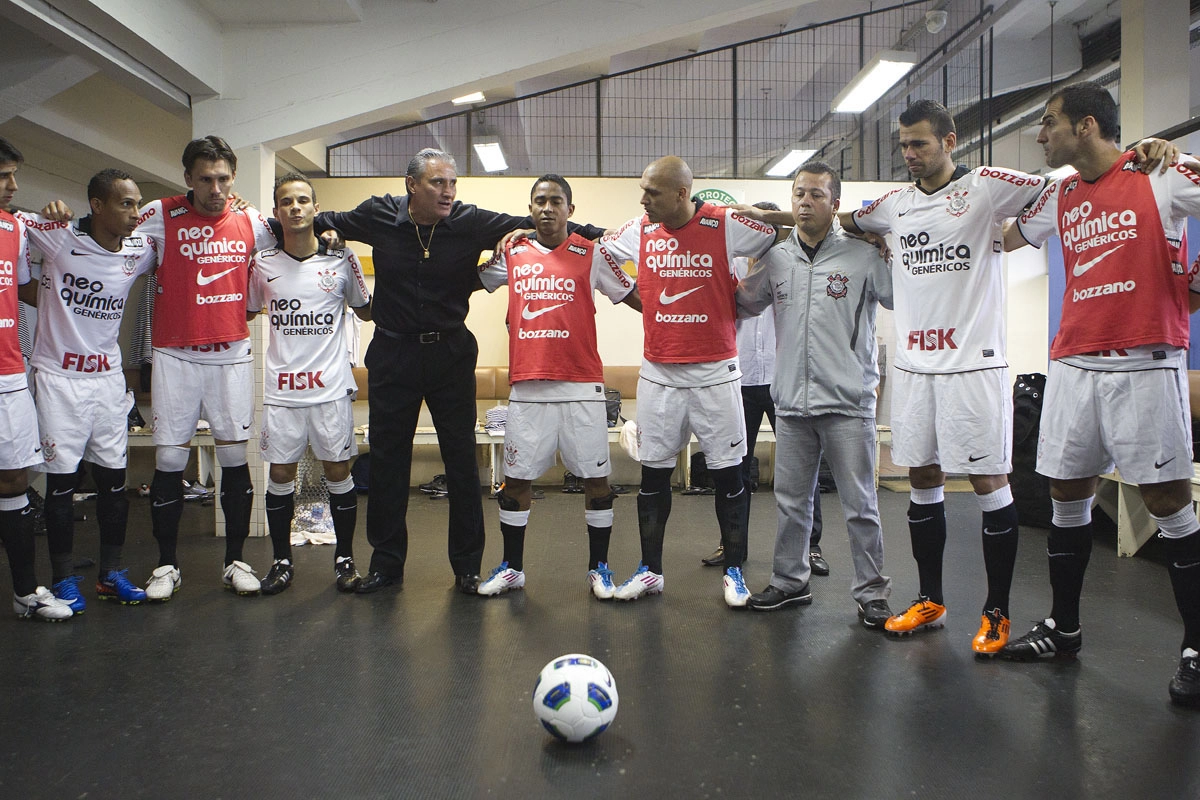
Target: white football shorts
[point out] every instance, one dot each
(184, 392)
(578, 430)
(962, 421)
(667, 416)
(19, 446)
(328, 427)
(82, 419)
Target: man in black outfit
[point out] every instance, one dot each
(426, 255)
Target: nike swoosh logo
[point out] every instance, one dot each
(973, 459)
(901, 214)
(527, 314)
(116, 489)
(75, 252)
(781, 283)
(667, 299)
(273, 508)
(986, 532)
(735, 444)
(274, 278)
(160, 504)
(601, 463)
(919, 521)
(346, 508)
(1085, 266)
(246, 427)
(1177, 565)
(57, 493)
(1163, 464)
(205, 280)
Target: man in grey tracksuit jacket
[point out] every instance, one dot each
(824, 286)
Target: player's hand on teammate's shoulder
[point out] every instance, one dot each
(332, 240)
(58, 211)
(238, 203)
(876, 241)
(1151, 154)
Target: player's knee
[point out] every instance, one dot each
(656, 479)
(108, 480)
(171, 458)
(604, 503)
(728, 480)
(231, 455)
(507, 503)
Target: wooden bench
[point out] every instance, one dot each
(1123, 502)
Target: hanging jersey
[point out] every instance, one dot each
(14, 271)
(947, 269)
(81, 296)
(305, 300)
(201, 277)
(687, 282)
(1122, 242)
(551, 312)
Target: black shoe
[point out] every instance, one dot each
(1185, 686)
(717, 559)
(135, 420)
(818, 564)
(467, 584)
(874, 613)
(376, 581)
(278, 578)
(436, 487)
(1043, 642)
(572, 484)
(348, 579)
(773, 598)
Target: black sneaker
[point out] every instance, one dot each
(572, 484)
(1185, 686)
(436, 487)
(773, 598)
(1043, 642)
(347, 576)
(278, 578)
(875, 613)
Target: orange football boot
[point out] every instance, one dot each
(921, 615)
(993, 633)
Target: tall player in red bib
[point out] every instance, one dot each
(1117, 389)
(19, 446)
(202, 360)
(557, 400)
(690, 381)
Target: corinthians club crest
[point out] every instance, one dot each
(838, 286)
(49, 450)
(326, 281)
(958, 204)
(510, 454)
(130, 264)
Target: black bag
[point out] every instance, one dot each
(701, 481)
(360, 471)
(612, 407)
(1031, 491)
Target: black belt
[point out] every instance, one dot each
(428, 337)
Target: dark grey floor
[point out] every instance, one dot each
(426, 693)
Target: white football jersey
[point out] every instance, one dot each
(305, 301)
(946, 266)
(82, 295)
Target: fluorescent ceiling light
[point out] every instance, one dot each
(789, 163)
(880, 74)
(467, 99)
(491, 156)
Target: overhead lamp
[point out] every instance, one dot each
(468, 99)
(789, 162)
(880, 74)
(490, 155)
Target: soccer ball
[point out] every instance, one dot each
(575, 698)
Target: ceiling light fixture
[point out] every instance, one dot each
(468, 99)
(880, 74)
(490, 155)
(789, 162)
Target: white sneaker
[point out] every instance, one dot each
(736, 593)
(503, 579)
(239, 578)
(163, 583)
(601, 582)
(641, 582)
(41, 604)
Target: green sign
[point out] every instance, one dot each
(717, 196)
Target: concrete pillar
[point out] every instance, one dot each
(1154, 66)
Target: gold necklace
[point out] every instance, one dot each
(424, 245)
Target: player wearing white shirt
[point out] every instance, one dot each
(952, 406)
(309, 385)
(1117, 387)
(689, 380)
(557, 398)
(88, 269)
(19, 447)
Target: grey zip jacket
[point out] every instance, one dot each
(824, 322)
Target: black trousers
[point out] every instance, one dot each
(402, 373)
(756, 400)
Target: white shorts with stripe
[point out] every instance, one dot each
(185, 392)
(667, 416)
(82, 419)
(962, 421)
(328, 427)
(578, 430)
(19, 446)
(1092, 419)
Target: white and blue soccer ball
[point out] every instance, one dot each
(575, 698)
